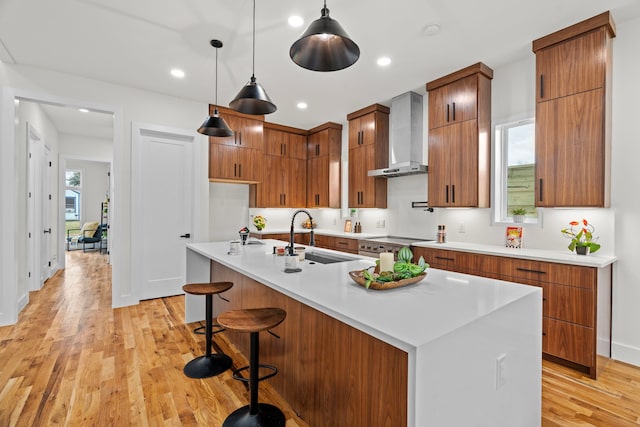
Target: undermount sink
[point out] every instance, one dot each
(326, 258)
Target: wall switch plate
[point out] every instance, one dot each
(461, 228)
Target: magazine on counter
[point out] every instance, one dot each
(514, 237)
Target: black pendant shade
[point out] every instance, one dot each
(215, 125)
(252, 98)
(325, 46)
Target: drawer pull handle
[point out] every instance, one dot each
(342, 243)
(544, 334)
(445, 258)
(531, 271)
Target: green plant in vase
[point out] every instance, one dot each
(518, 214)
(581, 235)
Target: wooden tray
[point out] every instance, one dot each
(357, 277)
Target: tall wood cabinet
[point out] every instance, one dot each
(284, 182)
(324, 149)
(573, 133)
(368, 150)
(237, 158)
(459, 138)
(576, 301)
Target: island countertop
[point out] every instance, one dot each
(405, 317)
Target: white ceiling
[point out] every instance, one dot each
(136, 43)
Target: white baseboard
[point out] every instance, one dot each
(23, 301)
(625, 353)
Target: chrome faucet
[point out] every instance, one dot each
(312, 242)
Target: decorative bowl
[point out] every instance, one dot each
(357, 277)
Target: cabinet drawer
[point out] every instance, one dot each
(327, 242)
(439, 258)
(346, 245)
(569, 303)
(568, 341)
(546, 272)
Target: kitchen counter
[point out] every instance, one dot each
(561, 257)
(452, 326)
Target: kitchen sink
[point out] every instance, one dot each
(325, 258)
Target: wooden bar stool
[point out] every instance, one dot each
(254, 320)
(208, 365)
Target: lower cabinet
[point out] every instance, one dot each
(343, 244)
(330, 373)
(576, 300)
(300, 238)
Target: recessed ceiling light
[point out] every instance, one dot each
(177, 73)
(431, 30)
(296, 21)
(83, 110)
(383, 61)
(302, 105)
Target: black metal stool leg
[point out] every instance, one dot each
(255, 414)
(208, 365)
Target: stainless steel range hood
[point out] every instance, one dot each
(405, 138)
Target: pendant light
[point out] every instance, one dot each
(215, 125)
(252, 98)
(325, 46)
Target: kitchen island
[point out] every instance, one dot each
(453, 349)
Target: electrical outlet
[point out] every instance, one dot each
(461, 228)
(382, 223)
(334, 221)
(501, 374)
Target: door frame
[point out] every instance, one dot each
(138, 131)
(12, 300)
(34, 146)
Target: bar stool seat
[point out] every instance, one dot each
(210, 364)
(253, 321)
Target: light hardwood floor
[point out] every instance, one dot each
(72, 360)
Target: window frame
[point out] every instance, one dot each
(77, 189)
(500, 161)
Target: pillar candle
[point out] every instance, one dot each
(386, 261)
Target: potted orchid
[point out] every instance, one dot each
(581, 235)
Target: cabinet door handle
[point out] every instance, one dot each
(285, 149)
(235, 169)
(541, 86)
(445, 258)
(447, 112)
(284, 198)
(240, 137)
(453, 192)
(281, 153)
(185, 235)
(317, 149)
(527, 270)
(454, 111)
(446, 194)
(540, 191)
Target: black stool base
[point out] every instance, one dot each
(267, 416)
(205, 367)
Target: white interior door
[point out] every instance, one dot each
(163, 192)
(45, 212)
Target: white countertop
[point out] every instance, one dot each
(323, 232)
(405, 317)
(561, 257)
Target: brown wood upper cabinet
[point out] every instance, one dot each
(368, 149)
(237, 158)
(324, 149)
(459, 138)
(573, 138)
(285, 167)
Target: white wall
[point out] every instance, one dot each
(86, 148)
(95, 185)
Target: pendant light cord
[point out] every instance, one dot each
(253, 68)
(216, 78)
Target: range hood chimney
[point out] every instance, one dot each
(405, 138)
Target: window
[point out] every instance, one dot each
(73, 192)
(515, 171)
